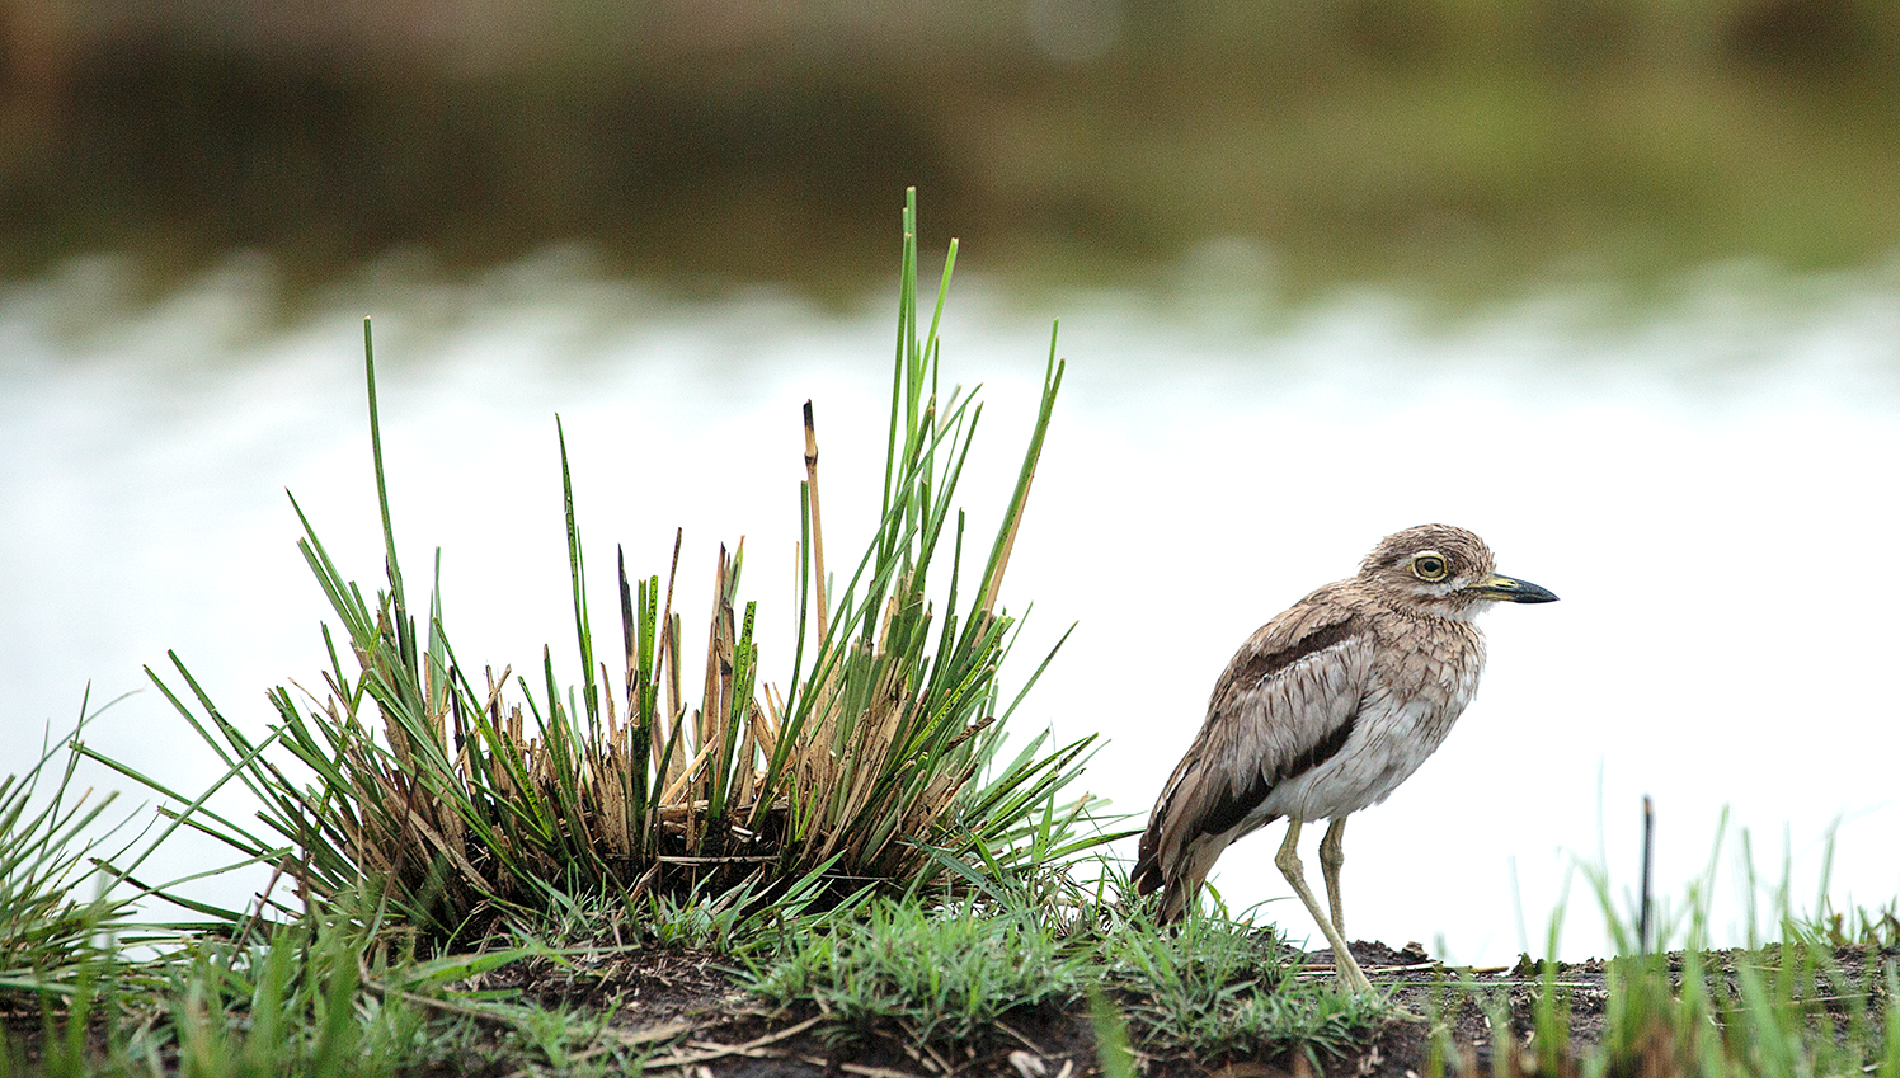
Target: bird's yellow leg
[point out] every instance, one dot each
(1289, 863)
(1332, 856)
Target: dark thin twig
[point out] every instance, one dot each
(1649, 861)
(263, 899)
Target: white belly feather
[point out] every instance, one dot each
(1389, 742)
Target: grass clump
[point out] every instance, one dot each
(874, 764)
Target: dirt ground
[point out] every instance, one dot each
(685, 1010)
(689, 1003)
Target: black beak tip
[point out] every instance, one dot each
(1527, 593)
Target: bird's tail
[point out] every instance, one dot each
(1176, 894)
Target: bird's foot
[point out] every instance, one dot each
(1348, 978)
(1344, 984)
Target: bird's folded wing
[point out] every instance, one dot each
(1286, 703)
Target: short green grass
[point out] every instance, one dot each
(1220, 989)
(941, 974)
(945, 974)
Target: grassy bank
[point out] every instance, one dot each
(931, 982)
(837, 861)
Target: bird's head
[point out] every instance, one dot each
(1443, 570)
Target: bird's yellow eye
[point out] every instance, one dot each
(1429, 566)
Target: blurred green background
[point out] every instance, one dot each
(1454, 146)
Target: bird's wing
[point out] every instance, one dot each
(1286, 703)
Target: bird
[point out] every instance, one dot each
(1324, 711)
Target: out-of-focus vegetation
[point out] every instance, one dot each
(1445, 142)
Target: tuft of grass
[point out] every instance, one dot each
(954, 972)
(877, 763)
(732, 920)
(1220, 990)
(46, 934)
(1861, 929)
(943, 976)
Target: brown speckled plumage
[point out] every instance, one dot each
(1330, 706)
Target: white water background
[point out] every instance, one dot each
(1706, 478)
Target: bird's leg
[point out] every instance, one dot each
(1332, 856)
(1289, 863)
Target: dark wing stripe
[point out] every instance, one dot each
(1323, 751)
(1261, 666)
(1231, 807)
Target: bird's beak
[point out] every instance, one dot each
(1516, 590)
